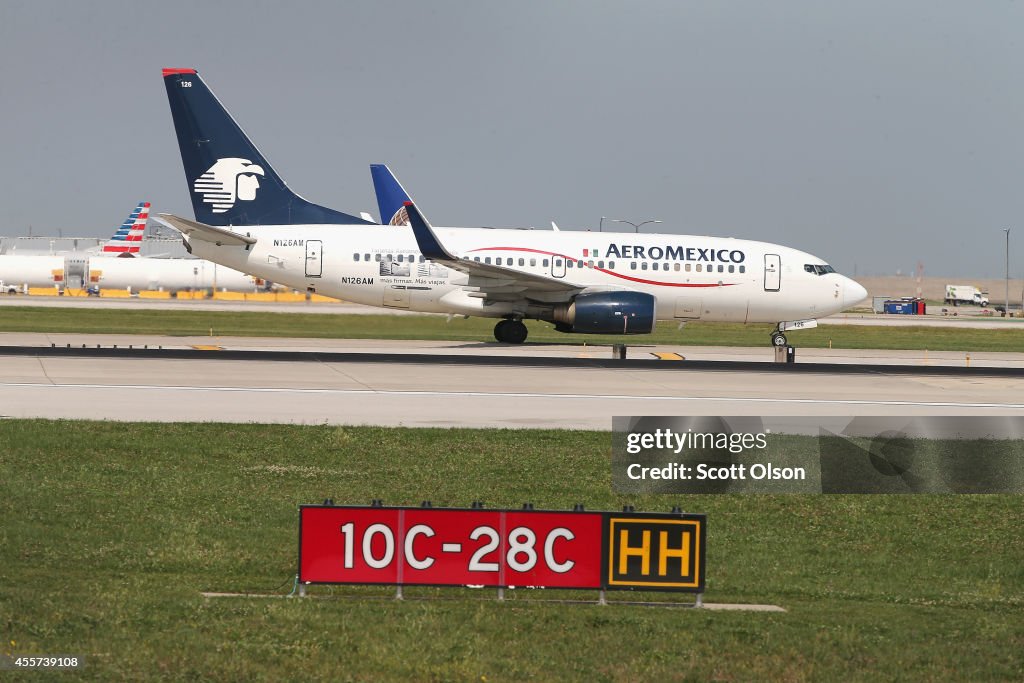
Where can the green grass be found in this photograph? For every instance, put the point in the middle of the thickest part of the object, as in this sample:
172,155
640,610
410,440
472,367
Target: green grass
233,324
110,532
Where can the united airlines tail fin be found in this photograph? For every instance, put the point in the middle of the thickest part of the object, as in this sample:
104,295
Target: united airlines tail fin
127,240
229,181
391,196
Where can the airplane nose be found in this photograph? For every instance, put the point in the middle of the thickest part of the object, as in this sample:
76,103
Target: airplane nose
853,293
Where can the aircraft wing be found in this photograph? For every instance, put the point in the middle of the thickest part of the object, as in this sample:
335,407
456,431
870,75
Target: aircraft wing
207,233
496,283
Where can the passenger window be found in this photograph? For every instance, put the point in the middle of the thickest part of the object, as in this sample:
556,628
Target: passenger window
522,262
423,259
355,257
590,264
721,268
390,257
579,264
677,268
698,267
743,269
600,264
611,265
570,264
632,266
732,269
487,260
546,263
401,258
558,263
376,257
366,257
643,265
533,262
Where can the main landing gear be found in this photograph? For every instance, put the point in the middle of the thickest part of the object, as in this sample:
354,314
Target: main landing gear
510,331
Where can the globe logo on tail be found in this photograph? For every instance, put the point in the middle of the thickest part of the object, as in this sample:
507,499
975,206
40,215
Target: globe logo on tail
229,180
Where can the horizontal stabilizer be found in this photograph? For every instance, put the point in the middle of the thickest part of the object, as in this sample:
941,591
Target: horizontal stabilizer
207,233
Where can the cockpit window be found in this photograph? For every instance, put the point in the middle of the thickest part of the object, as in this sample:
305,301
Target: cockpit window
818,269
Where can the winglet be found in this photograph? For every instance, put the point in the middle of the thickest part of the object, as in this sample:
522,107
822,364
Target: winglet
426,240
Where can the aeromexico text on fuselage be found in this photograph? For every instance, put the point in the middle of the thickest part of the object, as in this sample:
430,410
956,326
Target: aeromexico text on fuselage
638,251
675,253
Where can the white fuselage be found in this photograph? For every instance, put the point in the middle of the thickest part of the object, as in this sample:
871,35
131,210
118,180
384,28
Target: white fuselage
168,275
705,278
79,269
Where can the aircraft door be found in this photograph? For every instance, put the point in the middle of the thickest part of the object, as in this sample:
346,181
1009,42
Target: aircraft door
772,272
74,272
557,266
396,296
688,307
314,258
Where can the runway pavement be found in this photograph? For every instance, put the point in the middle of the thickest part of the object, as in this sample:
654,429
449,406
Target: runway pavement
474,385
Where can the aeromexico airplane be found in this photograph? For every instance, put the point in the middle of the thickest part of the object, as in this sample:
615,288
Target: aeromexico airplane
247,218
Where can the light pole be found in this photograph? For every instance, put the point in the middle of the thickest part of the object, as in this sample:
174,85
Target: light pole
1006,311
636,226
600,227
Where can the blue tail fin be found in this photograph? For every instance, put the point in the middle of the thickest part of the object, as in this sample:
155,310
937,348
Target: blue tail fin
229,181
391,196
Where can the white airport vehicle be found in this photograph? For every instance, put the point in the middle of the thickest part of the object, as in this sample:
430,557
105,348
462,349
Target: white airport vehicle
965,294
602,283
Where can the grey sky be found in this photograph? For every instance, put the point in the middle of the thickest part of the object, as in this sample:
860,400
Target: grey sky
873,134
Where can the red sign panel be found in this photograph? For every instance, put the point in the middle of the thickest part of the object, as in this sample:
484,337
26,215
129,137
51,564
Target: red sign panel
450,547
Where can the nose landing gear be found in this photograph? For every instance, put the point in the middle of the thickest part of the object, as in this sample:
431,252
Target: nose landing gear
510,331
778,334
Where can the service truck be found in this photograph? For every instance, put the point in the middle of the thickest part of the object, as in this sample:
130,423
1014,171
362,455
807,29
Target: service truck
965,294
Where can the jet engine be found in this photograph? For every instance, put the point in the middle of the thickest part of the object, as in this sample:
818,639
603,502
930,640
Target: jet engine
607,313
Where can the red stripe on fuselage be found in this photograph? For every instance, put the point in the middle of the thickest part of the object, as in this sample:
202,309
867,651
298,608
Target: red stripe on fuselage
606,271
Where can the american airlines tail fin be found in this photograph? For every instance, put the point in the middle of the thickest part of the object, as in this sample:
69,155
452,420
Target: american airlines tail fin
127,240
391,196
229,181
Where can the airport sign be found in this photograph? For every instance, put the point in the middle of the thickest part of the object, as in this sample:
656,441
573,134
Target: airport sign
478,547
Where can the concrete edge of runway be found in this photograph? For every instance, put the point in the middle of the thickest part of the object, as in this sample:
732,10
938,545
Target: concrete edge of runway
503,361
